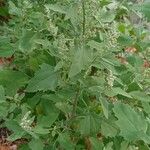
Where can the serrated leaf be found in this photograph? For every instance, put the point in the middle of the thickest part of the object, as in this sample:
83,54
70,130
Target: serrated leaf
36,144
18,132
38,59
89,125
26,42
12,81
65,141
125,40
49,113
135,61
141,96
45,79
72,14
40,130
6,50
81,59
131,124
47,121
109,128
64,107
107,17
118,90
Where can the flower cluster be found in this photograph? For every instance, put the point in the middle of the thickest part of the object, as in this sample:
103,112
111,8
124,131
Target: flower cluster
110,79
26,122
113,34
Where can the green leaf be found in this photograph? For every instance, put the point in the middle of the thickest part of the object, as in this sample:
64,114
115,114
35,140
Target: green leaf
109,146
4,11
124,145
65,141
64,107
14,126
24,147
131,124
12,81
135,61
96,144
72,14
107,17
134,86
146,107
39,130
4,110
108,128
145,9
95,45
36,60
105,2
47,121
26,42
56,8
89,125
49,113
2,94
125,40
141,96
143,146
81,60
13,9
57,59
36,144
104,104
6,49
44,42
118,90
45,79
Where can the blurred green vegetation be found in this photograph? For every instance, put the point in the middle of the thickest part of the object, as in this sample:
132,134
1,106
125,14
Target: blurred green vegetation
4,15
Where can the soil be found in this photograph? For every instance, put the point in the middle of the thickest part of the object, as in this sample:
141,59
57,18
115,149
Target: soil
8,145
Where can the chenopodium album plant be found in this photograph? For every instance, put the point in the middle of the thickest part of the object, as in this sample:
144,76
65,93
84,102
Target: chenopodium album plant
78,76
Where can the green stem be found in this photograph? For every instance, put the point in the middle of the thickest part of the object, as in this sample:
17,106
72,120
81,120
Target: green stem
84,19
75,104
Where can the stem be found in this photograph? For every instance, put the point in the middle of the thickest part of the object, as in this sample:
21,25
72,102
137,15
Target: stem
83,25
75,104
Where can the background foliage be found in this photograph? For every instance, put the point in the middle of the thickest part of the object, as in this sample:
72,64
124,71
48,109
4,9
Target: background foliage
75,74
